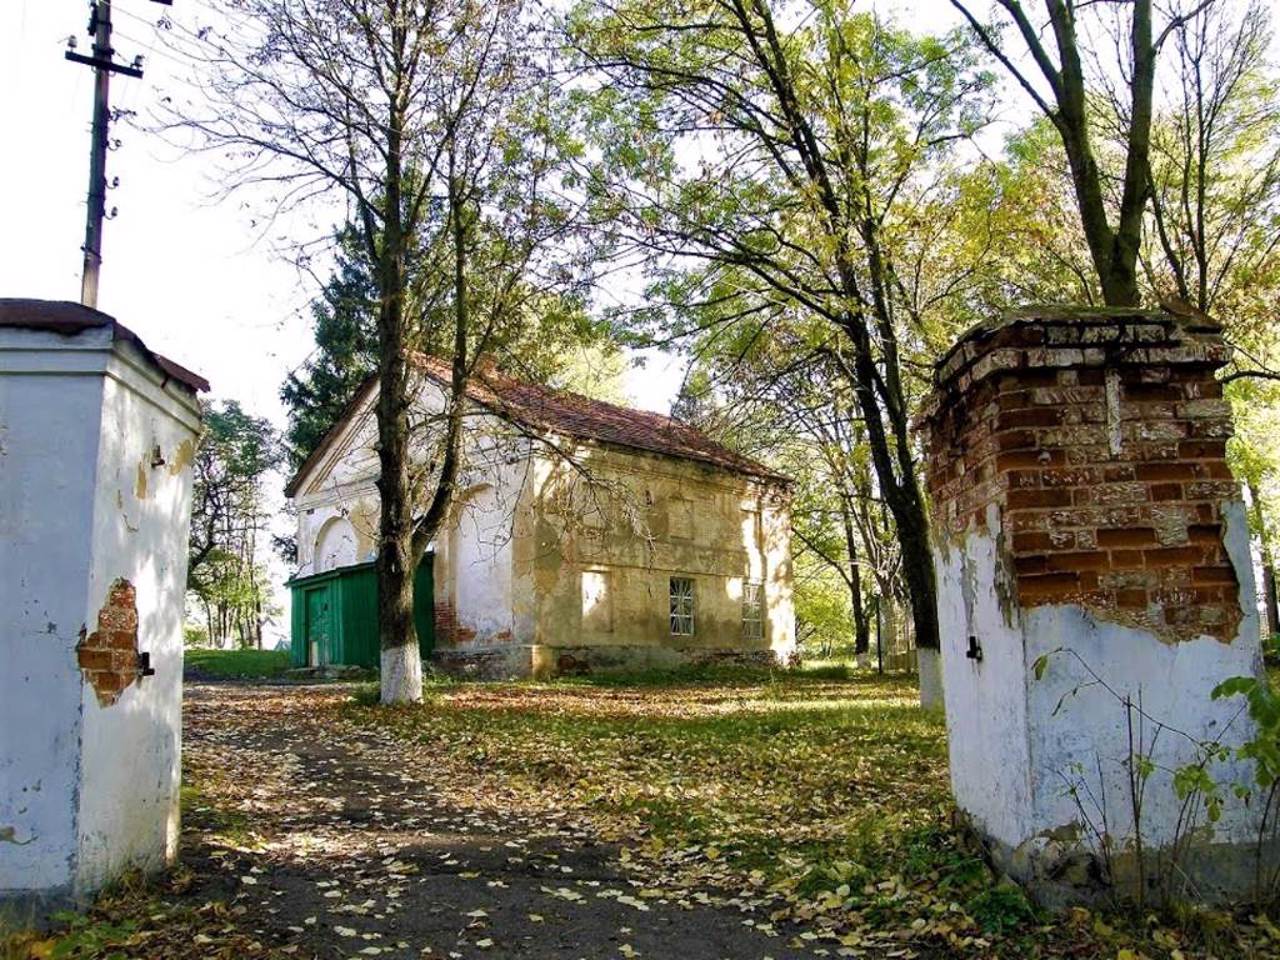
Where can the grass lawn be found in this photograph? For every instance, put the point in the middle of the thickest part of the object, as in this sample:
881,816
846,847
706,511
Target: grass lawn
235,664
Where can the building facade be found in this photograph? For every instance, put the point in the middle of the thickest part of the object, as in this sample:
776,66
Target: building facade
585,536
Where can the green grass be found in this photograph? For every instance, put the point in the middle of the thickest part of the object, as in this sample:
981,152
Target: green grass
236,664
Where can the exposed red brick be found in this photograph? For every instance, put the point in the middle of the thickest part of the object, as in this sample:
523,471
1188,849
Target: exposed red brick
1077,560
1127,559
1131,598
1139,392
1039,498
1216,490
1133,532
108,657
1127,537
1048,586
1027,542
1036,417
1208,533
1014,459
1016,440
1171,556
1209,429
1205,575
1014,400
1090,376
1202,449
1165,471
1032,564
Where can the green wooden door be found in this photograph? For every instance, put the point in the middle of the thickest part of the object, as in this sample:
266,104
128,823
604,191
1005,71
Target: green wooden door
319,631
424,606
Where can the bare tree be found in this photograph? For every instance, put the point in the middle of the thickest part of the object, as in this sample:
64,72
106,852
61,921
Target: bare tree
398,108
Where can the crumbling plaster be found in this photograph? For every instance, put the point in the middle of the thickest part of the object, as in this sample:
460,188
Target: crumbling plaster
538,514
90,786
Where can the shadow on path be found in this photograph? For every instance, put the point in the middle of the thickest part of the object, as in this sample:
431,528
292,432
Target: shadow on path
341,849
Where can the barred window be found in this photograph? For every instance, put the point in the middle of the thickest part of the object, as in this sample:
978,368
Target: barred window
753,611
681,607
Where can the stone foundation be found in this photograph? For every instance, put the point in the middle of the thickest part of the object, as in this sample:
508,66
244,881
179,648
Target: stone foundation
544,661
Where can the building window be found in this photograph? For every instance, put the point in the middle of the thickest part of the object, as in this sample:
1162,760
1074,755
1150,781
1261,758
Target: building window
752,611
681,607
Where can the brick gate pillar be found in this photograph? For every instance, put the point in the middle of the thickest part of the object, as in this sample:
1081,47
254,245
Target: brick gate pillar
1091,545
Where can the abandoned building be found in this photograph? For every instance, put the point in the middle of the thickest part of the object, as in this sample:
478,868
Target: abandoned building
584,536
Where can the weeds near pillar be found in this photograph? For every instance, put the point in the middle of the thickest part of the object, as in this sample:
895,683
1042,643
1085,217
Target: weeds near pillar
1263,703
1200,797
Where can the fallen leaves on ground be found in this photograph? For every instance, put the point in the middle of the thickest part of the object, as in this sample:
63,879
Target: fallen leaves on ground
791,816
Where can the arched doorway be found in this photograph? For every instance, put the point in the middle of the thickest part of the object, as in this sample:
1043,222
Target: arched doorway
481,567
335,546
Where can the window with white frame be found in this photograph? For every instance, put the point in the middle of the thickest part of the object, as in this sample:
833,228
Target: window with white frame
752,611
681,607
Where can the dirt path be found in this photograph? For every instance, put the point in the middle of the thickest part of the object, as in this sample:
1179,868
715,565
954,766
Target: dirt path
337,847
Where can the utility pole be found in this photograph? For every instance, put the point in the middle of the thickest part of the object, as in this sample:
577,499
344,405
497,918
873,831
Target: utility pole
103,63
100,26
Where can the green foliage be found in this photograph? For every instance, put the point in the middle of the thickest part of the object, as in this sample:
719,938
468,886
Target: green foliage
1263,700
344,324
236,664
194,635
227,577
87,937
1001,909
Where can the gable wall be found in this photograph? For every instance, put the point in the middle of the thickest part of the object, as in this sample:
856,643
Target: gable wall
609,534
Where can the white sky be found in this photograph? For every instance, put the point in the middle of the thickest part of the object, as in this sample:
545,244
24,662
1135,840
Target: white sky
189,276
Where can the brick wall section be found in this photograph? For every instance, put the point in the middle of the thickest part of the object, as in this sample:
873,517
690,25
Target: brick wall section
446,622
1101,441
109,656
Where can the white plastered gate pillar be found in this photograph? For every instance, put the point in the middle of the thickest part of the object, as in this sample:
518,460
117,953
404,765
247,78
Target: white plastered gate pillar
97,440
1091,547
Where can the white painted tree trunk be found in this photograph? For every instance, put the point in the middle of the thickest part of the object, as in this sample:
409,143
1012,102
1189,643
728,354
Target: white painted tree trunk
862,661
402,674
929,663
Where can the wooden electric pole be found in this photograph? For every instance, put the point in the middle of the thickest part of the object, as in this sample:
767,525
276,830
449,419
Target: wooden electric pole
100,23
103,63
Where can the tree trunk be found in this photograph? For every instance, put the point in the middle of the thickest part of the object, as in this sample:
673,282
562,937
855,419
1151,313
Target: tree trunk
1272,625
1269,597
861,630
877,389
898,488
401,661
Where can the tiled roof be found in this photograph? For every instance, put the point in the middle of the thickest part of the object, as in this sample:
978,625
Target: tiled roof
69,319
574,415
568,414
